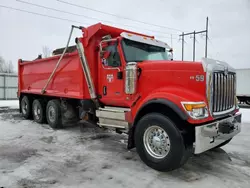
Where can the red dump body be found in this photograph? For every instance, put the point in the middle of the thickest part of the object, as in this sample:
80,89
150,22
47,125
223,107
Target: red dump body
69,80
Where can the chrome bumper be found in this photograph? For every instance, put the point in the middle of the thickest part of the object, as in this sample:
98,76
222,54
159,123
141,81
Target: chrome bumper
211,135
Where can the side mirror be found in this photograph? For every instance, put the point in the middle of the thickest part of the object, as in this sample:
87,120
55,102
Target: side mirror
105,43
171,54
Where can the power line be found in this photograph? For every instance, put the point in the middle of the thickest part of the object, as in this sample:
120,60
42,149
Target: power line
88,17
54,17
80,6
194,40
35,13
161,36
49,8
210,41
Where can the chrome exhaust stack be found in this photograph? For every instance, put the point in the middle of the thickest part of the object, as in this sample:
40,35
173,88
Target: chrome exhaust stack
86,69
131,75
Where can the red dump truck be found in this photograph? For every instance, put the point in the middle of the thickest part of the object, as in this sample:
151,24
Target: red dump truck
128,82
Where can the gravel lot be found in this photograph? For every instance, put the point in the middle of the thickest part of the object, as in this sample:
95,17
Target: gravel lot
35,156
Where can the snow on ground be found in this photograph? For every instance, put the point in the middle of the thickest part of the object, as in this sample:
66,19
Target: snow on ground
34,155
245,114
9,104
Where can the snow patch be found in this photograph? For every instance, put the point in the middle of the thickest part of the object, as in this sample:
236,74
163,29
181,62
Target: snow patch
33,155
245,114
14,104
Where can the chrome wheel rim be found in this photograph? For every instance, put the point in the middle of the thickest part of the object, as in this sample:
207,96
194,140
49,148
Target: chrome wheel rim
24,107
37,111
52,114
156,142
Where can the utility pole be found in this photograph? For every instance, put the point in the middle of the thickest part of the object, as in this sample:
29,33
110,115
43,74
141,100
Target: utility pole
182,44
194,40
206,37
194,47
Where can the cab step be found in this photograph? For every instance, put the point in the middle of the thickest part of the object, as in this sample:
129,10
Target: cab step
112,117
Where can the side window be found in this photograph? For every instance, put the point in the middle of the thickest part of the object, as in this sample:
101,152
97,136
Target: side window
112,58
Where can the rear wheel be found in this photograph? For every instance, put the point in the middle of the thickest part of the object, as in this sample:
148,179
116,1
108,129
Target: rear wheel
26,107
159,142
38,111
53,114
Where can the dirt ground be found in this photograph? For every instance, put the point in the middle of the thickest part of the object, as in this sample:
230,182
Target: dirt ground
35,156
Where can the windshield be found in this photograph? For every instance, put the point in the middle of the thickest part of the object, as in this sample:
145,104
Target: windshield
136,51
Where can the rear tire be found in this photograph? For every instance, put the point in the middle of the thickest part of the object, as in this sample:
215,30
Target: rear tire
38,111
53,114
165,149
26,107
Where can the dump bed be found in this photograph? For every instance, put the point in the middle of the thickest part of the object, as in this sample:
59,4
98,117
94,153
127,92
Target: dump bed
68,81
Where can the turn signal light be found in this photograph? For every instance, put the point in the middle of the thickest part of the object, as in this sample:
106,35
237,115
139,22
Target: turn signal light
190,107
196,110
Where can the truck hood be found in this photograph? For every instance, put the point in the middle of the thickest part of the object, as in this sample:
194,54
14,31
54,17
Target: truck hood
184,76
171,65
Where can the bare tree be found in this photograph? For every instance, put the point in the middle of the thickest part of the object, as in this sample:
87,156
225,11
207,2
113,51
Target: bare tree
46,51
2,64
10,67
6,67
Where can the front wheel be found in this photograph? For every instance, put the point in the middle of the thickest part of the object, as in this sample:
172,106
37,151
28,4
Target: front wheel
159,142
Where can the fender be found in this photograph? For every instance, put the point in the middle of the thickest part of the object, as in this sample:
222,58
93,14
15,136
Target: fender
171,97
167,103
183,115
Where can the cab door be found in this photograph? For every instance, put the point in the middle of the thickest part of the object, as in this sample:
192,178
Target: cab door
111,77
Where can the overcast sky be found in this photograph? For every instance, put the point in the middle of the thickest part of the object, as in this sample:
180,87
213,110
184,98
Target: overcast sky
23,35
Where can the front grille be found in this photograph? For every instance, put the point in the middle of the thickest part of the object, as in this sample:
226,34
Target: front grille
223,91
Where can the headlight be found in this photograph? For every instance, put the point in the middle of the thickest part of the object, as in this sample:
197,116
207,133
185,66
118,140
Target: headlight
196,110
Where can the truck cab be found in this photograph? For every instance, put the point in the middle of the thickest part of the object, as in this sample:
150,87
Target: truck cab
115,55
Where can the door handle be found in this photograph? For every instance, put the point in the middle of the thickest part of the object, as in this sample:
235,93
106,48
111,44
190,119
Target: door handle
104,90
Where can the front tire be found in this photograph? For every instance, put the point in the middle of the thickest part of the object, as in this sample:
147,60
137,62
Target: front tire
38,111
159,142
53,114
